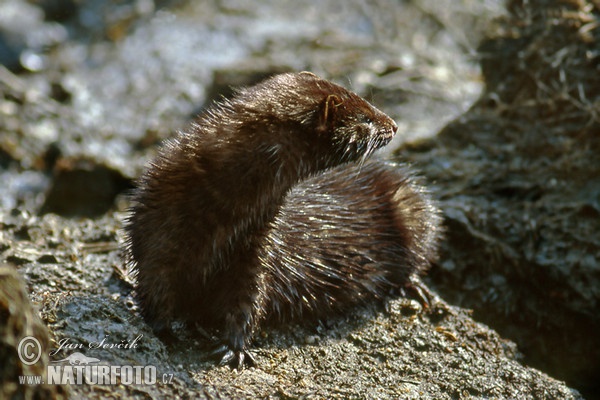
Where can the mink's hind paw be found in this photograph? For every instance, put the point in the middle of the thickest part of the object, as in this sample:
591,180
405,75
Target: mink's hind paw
236,359
416,289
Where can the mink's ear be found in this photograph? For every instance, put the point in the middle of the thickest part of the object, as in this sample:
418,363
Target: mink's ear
308,73
328,110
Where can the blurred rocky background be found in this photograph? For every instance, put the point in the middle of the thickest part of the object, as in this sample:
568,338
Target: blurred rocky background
498,107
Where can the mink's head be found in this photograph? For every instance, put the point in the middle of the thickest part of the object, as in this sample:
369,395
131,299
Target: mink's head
330,117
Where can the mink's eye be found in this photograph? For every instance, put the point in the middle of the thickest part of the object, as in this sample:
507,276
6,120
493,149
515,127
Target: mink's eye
365,119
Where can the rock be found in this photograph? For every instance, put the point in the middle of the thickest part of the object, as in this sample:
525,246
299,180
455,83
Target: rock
24,342
402,351
82,187
518,178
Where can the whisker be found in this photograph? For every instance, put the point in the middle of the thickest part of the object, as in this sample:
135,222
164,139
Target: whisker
371,145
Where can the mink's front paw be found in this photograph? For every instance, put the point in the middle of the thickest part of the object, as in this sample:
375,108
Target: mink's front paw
237,359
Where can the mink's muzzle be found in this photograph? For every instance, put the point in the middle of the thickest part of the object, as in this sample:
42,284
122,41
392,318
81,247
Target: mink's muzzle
388,134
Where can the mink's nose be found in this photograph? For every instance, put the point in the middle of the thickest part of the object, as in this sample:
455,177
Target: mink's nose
394,127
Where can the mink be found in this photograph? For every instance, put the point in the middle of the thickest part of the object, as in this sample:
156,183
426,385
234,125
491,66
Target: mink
267,209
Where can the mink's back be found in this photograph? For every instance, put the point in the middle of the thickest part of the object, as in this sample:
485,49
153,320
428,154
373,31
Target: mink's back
345,237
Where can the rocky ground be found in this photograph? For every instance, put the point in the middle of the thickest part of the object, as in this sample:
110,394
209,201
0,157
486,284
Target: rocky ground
497,108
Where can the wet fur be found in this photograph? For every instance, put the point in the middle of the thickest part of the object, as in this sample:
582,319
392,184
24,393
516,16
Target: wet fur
253,214
357,232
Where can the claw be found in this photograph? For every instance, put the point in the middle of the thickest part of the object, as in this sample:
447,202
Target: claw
228,358
420,292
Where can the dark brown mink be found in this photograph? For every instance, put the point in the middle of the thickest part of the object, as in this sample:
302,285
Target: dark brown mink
266,209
